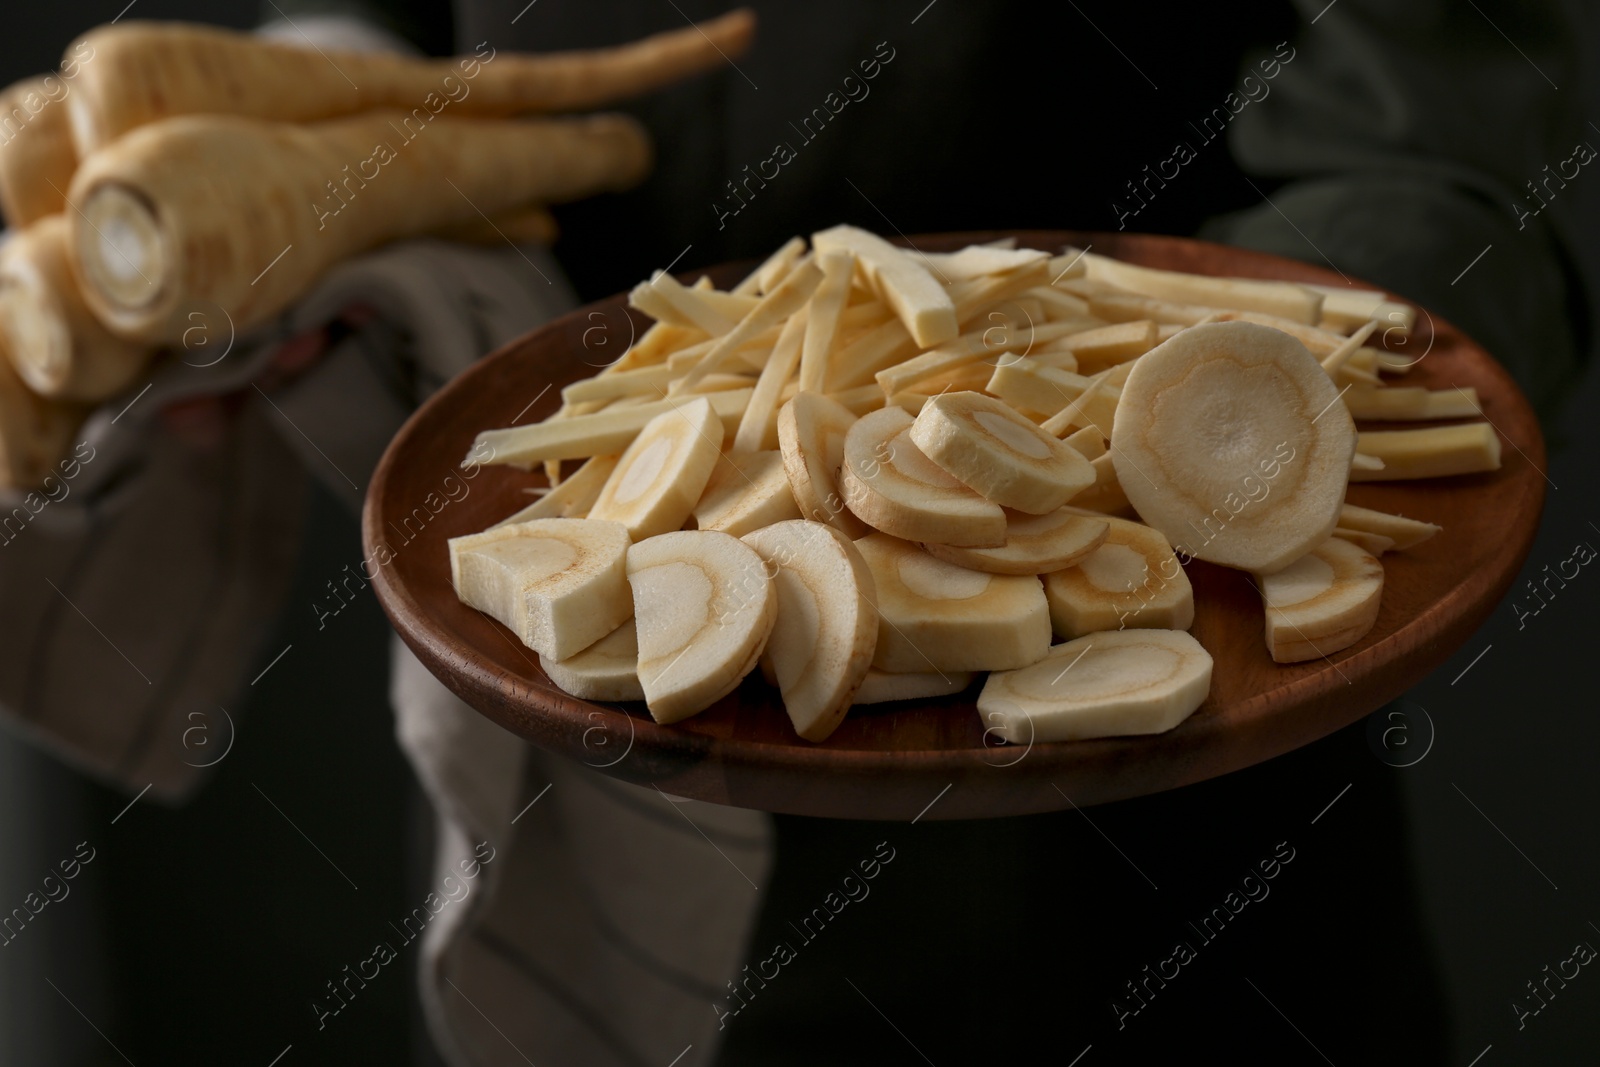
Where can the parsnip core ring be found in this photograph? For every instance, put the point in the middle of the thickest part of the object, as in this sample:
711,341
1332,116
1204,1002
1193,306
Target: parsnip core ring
123,249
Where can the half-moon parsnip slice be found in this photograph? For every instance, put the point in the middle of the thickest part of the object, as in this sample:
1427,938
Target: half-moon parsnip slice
1035,544
705,607
938,617
881,687
662,475
747,490
826,630
999,454
1133,580
1101,685
559,584
1324,601
890,485
606,670
1231,441
811,433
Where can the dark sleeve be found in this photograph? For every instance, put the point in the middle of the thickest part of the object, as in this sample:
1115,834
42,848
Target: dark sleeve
428,24
1419,147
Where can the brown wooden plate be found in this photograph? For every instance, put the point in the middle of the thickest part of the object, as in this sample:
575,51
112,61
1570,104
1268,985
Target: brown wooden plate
892,761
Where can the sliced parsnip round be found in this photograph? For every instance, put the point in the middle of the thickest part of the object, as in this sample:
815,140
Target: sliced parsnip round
811,433
747,490
1035,544
559,584
705,607
1229,439
1132,580
822,643
987,446
891,486
882,687
606,670
662,475
1324,601
1101,685
937,617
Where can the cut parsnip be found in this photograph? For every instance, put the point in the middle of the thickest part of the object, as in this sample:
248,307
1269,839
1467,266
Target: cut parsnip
606,670
559,584
882,687
890,485
975,261
1325,601
1291,301
662,475
936,616
1117,305
1377,544
1089,442
766,277
789,297
1107,346
1369,464
1101,685
811,435
602,433
758,429
1407,403
822,324
922,304
705,608
1106,494
996,452
747,490
1031,385
1405,533
1133,580
1434,452
571,499
1035,544
1231,441
826,631
1096,406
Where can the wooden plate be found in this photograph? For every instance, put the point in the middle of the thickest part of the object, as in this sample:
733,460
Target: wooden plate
892,761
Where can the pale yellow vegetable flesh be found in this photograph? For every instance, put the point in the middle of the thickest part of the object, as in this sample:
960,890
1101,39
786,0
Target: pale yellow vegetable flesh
826,631
999,454
558,584
705,606
606,670
1322,603
891,486
1102,685
660,478
938,617
1132,580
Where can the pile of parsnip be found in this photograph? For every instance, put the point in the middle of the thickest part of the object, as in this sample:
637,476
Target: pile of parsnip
877,471
176,177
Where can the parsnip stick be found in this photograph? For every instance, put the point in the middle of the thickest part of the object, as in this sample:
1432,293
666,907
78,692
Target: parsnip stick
1117,306
1096,406
667,300
654,346
1397,404
1294,302
860,400
1340,356
1343,308
143,72
822,323
1060,305
1029,385
758,429
1435,452
646,380
773,270
603,433
56,344
158,222
975,261
1405,533
573,498
901,282
36,154
1108,346
790,296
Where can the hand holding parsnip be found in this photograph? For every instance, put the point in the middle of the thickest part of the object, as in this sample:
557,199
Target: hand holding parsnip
981,493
